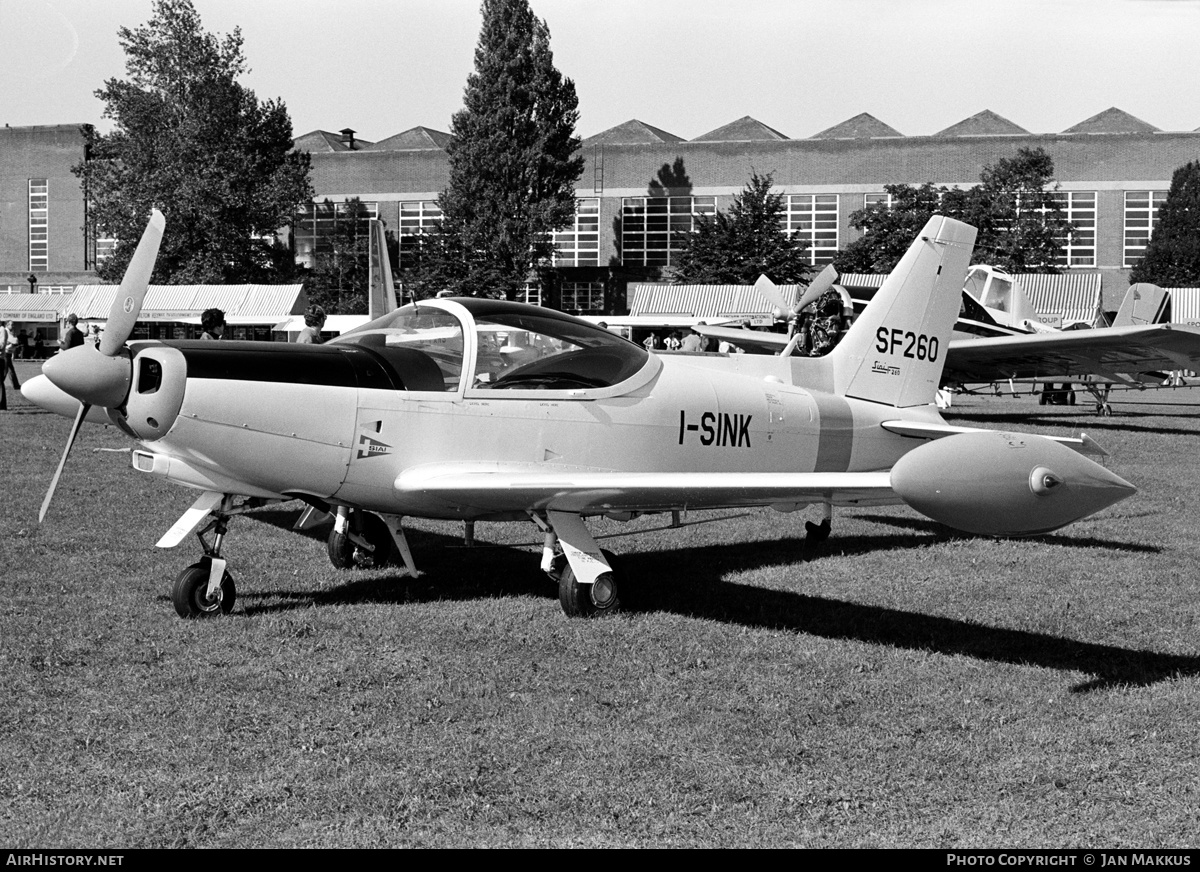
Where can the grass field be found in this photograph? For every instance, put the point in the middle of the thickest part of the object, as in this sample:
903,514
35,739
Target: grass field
904,686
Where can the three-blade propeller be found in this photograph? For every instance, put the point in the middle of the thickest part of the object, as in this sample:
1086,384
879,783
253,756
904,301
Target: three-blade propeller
101,375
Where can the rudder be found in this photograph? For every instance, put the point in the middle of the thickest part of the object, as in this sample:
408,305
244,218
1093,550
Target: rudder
895,350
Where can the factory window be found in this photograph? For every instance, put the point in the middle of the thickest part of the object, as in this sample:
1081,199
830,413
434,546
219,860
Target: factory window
653,228
417,218
316,227
1141,217
887,201
583,298
813,218
1078,207
580,245
39,225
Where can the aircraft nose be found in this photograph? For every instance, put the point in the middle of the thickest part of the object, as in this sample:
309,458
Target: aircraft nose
91,377
43,393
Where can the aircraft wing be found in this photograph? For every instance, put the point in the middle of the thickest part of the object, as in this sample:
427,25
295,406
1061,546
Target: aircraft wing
507,488
1112,353
771,343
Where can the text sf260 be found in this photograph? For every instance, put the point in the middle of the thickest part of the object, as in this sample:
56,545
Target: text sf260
916,346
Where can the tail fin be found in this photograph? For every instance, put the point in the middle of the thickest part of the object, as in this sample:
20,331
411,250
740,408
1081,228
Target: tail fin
895,350
1143,304
381,295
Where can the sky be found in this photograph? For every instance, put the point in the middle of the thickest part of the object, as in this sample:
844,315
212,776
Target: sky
685,66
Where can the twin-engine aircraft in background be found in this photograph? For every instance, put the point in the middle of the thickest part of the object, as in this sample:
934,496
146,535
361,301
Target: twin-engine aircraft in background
477,409
998,341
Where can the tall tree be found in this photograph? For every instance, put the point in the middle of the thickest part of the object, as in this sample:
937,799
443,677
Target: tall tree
190,140
514,162
1172,257
1020,222
739,245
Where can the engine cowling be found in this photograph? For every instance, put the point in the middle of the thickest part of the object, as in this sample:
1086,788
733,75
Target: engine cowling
1004,484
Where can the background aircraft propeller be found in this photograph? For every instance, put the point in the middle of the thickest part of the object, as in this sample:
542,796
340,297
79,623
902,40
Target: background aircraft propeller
101,375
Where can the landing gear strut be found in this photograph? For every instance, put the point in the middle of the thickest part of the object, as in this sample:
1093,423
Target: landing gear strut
585,575
205,588
359,539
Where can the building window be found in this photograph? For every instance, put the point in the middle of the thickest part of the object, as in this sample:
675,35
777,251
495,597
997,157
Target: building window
1078,207
583,298
887,201
580,245
315,226
1141,217
814,219
39,225
417,218
653,228
531,293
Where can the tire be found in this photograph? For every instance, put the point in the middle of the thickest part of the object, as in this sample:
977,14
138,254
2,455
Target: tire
578,600
189,594
344,554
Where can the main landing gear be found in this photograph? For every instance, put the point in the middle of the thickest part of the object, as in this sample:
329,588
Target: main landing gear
586,576
205,589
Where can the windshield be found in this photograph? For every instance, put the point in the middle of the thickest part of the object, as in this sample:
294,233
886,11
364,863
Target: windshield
529,351
423,345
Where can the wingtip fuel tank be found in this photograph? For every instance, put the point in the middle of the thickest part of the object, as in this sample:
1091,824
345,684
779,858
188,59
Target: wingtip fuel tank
1004,484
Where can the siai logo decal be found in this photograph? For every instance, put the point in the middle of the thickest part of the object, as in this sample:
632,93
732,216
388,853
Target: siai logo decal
368,447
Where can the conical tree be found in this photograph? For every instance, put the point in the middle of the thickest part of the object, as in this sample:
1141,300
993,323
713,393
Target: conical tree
1172,256
192,141
514,161
748,240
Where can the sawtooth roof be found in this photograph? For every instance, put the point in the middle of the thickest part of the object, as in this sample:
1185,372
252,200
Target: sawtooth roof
985,123
861,126
1112,120
745,129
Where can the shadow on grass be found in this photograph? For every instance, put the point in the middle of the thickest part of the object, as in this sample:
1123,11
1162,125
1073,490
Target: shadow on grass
1123,421
692,582
922,525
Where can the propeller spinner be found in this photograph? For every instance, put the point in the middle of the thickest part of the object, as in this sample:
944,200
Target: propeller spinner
100,376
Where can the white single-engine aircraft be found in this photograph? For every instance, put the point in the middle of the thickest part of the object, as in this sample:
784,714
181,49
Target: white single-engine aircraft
477,409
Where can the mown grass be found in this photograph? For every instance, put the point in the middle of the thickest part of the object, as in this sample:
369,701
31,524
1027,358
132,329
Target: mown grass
904,686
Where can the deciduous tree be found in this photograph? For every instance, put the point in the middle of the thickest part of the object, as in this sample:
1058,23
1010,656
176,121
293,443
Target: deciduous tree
1020,222
748,240
192,141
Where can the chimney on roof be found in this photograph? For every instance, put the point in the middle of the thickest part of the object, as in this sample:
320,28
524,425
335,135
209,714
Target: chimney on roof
347,137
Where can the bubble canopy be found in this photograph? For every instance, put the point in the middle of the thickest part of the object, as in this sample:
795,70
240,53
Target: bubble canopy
447,344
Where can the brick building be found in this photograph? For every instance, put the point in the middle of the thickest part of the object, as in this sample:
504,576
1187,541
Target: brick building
42,212
640,184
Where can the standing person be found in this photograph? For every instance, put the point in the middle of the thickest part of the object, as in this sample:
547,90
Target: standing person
314,320
73,336
8,349
3,368
212,321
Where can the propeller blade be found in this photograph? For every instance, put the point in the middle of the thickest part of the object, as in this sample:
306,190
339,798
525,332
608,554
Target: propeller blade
820,284
770,292
127,305
83,410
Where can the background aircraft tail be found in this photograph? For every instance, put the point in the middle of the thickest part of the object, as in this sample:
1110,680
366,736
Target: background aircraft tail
381,294
895,350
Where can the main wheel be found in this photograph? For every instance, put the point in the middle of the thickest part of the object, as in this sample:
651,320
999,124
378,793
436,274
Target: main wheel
589,600
344,554
190,593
